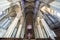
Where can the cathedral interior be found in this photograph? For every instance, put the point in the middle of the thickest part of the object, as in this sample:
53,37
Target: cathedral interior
30,19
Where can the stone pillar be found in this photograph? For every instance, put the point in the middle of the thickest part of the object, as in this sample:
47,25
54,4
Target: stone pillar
39,28
14,23
20,28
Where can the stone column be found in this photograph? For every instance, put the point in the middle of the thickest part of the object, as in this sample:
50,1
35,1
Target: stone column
14,23
39,28
20,28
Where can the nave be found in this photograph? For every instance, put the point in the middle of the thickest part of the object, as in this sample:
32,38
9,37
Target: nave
29,20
